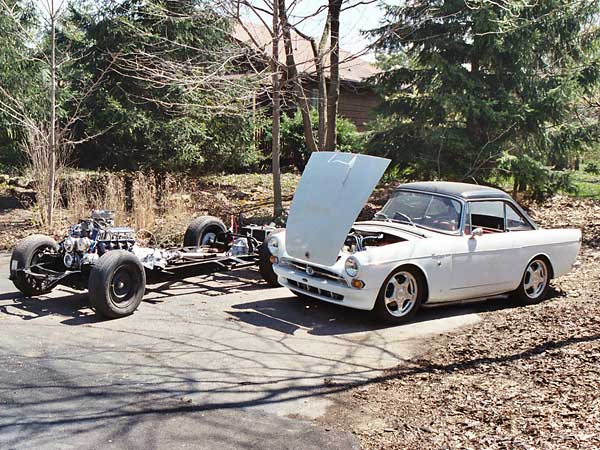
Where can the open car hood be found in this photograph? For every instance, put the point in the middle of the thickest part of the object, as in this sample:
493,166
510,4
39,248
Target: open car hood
331,193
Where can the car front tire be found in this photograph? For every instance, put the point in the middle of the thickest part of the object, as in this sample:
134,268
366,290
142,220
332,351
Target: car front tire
25,254
400,296
117,284
265,266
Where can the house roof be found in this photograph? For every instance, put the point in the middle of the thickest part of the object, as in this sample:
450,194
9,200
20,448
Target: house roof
352,68
465,191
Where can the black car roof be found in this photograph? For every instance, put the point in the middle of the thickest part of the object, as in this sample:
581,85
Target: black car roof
465,191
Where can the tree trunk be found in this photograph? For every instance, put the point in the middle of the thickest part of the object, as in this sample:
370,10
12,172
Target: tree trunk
333,93
293,77
318,57
277,203
319,64
52,162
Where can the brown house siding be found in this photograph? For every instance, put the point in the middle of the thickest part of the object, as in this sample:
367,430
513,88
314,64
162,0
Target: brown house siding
358,105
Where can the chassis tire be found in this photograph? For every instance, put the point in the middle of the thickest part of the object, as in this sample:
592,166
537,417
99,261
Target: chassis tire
24,256
400,296
535,282
265,267
117,284
202,230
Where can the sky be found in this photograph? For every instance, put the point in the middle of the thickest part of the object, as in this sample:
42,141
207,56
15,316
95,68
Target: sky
352,21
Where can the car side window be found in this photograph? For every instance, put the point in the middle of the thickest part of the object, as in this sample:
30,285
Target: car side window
515,221
488,215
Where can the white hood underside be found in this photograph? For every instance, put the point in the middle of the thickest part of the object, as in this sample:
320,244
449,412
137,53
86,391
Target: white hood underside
331,193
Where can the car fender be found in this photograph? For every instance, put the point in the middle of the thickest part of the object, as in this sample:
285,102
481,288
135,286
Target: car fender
380,262
559,246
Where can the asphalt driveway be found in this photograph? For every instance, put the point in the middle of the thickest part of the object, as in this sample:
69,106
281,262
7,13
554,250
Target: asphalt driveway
215,362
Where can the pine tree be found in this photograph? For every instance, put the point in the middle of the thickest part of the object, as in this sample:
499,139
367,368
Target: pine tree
477,89
22,89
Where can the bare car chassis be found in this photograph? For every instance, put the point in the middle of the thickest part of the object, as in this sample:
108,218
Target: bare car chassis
107,261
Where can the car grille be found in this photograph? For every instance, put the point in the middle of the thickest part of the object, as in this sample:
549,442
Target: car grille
315,290
318,272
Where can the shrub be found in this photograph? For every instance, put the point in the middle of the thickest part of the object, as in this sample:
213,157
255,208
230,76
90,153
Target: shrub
592,168
293,146
539,180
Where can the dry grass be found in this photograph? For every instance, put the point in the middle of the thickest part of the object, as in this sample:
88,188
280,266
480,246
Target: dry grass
159,207
115,198
38,152
176,208
143,213
83,194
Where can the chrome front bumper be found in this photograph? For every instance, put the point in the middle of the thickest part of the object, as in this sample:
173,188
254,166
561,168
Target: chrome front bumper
328,288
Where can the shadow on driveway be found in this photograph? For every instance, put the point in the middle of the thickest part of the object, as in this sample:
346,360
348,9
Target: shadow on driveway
290,313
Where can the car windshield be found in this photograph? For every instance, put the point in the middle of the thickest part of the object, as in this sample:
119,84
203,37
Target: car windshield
435,212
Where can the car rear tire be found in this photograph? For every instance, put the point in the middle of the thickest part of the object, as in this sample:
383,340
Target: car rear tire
117,284
25,254
203,231
400,296
535,282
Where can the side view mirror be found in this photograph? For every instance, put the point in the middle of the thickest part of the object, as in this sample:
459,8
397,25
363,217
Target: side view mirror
477,232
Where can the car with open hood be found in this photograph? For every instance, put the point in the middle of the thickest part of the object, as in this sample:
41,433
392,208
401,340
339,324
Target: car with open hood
431,243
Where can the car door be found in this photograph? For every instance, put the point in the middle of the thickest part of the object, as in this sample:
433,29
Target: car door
483,264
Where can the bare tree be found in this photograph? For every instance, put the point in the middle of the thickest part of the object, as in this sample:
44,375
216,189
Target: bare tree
52,12
202,72
294,79
212,73
48,144
319,55
277,202
333,93
325,59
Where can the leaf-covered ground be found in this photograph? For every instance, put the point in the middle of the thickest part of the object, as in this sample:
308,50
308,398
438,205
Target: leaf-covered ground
524,377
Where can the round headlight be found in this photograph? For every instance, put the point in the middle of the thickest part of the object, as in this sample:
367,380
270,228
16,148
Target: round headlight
69,244
352,266
273,246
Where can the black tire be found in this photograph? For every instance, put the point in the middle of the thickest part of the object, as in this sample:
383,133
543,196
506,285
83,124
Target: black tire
265,267
199,228
416,289
530,295
117,284
24,256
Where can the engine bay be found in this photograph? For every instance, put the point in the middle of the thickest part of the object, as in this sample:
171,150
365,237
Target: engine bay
361,240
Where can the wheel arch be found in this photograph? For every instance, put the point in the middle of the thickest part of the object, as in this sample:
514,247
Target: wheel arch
546,258
422,273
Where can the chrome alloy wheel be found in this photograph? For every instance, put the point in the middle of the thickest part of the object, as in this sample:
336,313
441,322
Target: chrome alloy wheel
401,294
536,279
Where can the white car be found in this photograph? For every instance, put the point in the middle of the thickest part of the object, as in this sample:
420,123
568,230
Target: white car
433,242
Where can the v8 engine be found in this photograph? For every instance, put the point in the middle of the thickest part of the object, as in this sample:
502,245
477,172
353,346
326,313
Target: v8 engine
91,238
